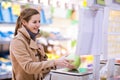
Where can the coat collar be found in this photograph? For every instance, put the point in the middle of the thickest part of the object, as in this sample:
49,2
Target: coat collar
33,43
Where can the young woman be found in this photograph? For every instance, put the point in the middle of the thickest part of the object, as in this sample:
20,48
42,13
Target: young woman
29,61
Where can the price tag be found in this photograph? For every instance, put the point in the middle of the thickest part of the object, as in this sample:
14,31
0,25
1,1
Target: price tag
100,2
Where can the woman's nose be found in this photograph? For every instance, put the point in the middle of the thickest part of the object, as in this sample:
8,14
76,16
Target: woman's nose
38,24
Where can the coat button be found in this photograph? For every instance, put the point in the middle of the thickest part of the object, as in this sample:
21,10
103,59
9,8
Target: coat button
41,78
55,67
51,67
47,68
44,56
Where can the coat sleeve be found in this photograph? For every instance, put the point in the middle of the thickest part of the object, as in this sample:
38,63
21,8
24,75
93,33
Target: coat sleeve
24,59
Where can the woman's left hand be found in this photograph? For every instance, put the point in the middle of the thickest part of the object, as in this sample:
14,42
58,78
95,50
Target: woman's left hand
41,48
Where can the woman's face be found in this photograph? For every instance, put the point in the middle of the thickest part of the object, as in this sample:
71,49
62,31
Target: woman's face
34,23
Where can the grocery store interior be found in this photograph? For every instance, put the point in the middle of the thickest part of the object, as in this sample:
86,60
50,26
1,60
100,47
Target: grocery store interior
89,29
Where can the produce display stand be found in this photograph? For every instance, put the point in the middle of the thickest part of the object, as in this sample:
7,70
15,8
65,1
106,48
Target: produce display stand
6,75
60,74
91,38
115,70
105,61
2,44
93,31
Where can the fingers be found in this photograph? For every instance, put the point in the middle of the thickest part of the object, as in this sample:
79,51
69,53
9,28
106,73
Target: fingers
68,64
69,61
63,62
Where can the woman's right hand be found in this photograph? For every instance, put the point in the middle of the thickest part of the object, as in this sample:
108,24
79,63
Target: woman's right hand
63,62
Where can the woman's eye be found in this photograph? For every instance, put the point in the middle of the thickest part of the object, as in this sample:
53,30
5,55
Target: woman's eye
34,22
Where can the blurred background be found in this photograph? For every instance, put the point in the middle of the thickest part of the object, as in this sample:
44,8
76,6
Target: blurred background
61,26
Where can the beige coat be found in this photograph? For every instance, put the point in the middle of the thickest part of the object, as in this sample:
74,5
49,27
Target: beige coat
28,61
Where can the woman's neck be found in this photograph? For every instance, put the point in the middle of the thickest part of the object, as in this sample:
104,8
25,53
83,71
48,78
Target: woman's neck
32,35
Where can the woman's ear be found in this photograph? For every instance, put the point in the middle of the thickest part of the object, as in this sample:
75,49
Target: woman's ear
24,22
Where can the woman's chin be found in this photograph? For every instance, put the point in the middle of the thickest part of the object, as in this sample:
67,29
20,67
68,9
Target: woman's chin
35,32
